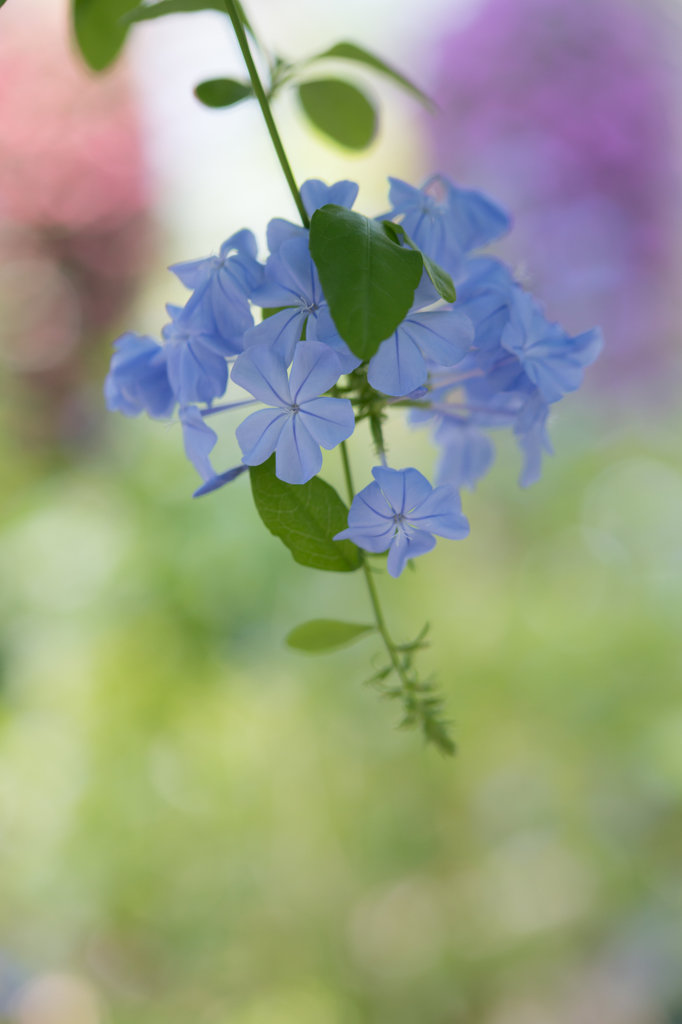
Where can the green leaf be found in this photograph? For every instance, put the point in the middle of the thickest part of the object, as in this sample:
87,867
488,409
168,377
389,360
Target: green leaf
340,111
320,635
349,51
440,279
99,31
367,279
146,12
222,92
305,517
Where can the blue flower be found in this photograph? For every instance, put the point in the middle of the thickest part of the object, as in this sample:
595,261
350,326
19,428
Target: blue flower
292,281
530,431
442,336
196,365
401,511
315,194
466,453
138,378
200,440
300,421
551,358
445,221
226,283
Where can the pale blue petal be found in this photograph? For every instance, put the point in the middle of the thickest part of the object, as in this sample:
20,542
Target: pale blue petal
315,369
280,230
398,366
374,542
280,332
194,273
298,456
444,336
220,480
404,489
258,435
196,373
294,256
329,420
405,547
263,373
316,194
441,513
467,455
243,241
138,378
325,330
199,441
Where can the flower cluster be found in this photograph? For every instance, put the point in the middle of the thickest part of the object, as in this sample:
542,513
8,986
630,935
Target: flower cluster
490,360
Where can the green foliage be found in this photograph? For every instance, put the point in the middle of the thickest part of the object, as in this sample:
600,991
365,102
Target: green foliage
146,12
440,279
222,92
99,29
321,635
421,702
305,517
339,110
368,280
349,51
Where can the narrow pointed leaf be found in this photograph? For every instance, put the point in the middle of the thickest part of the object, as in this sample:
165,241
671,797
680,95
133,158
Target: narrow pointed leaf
440,279
349,51
222,92
306,518
321,635
99,31
147,12
368,280
340,111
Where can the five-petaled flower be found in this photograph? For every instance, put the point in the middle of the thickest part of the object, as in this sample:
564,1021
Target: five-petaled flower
301,421
401,512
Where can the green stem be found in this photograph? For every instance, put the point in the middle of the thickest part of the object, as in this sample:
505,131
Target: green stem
371,586
262,98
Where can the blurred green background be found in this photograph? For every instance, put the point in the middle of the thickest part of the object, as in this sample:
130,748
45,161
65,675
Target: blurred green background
199,825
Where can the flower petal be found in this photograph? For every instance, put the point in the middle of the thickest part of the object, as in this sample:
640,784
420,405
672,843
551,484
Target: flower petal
326,331
441,513
374,542
398,366
280,332
329,420
443,336
406,546
314,370
298,456
199,441
258,435
315,194
220,480
404,489
262,372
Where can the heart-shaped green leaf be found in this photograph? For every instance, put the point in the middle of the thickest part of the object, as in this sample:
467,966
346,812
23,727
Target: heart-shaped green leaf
349,51
440,279
306,518
321,635
222,92
99,30
368,280
340,111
